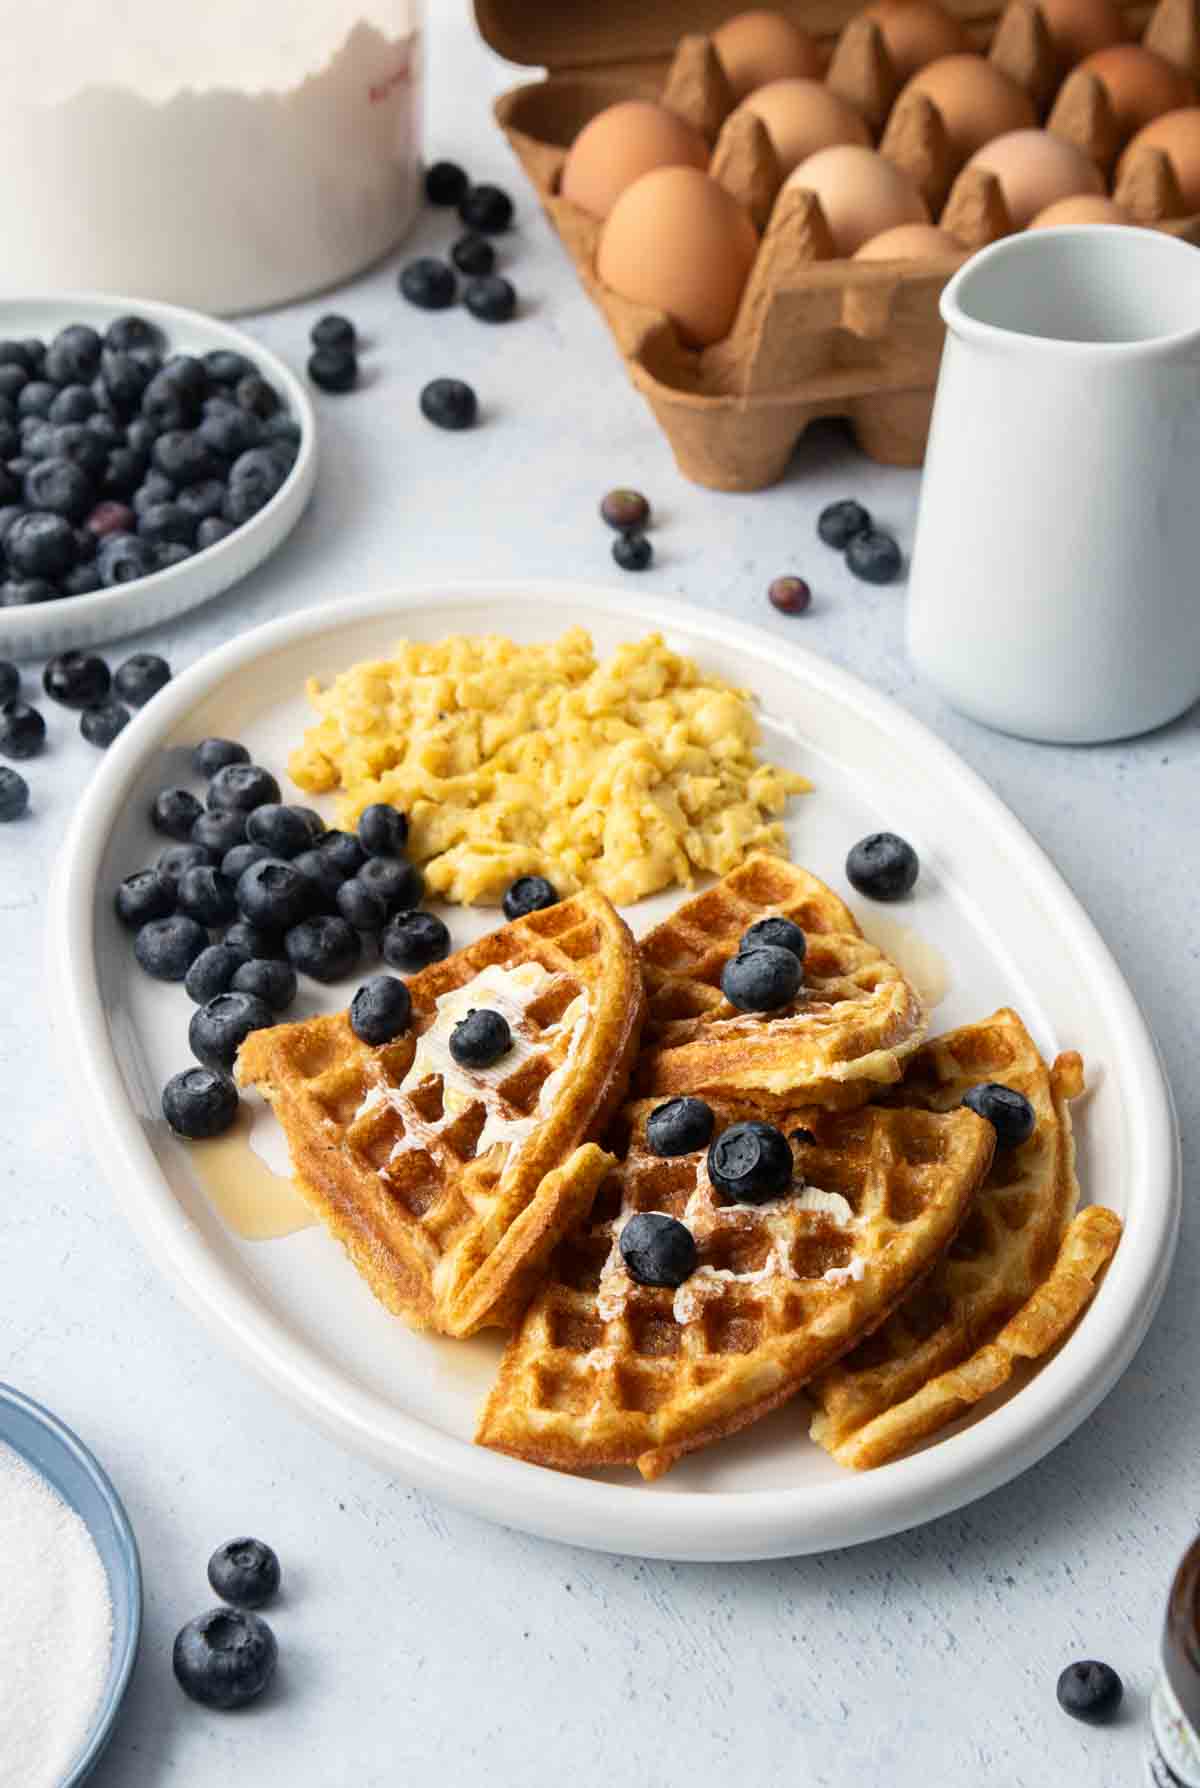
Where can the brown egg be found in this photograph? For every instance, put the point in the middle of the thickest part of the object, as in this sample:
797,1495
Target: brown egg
910,242
1087,208
678,242
621,144
1177,134
761,46
861,194
1140,84
916,32
1034,169
804,116
1079,27
975,100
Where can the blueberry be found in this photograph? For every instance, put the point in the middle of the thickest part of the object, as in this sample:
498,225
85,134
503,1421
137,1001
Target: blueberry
81,581
445,183
491,298
35,398
74,354
219,1028
839,523
230,431
132,332
382,830
398,885
124,378
186,373
10,679
212,530
271,981
220,831
344,849
199,1103
202,501
140,435
284,830
13,379
428,283
254,478
874,557
154,488
790,595
174,812
183,456
625,510
212,973
163,523
449,403
413,940
101,724
87,545
274,894
76,679
529,894
657,1249
326,948
761,979
360,906
141,677
177,859
480,1039
323,876
22,730
166,948
206,895
225,1658
750,1163
224,367
74,403
123,558
14,794
474,255
776,930
679,1127
244,1572
211,755
486,208
883,866
144,895
258,942
9,513
168,405
35,352
238,857
332,331
123,471
242,785
333,369
1090,1690
381,1010
258,396
21,592
41,545
110,518
632,552
1008,1112
282,430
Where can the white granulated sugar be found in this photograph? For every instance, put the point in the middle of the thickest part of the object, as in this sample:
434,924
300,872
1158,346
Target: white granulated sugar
55,1629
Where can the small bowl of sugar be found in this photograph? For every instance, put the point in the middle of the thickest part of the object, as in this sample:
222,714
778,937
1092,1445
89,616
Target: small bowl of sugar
72,1600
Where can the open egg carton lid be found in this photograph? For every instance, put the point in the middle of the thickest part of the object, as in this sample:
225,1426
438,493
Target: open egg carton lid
814,336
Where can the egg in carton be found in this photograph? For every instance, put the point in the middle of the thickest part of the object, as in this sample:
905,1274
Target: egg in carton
818,336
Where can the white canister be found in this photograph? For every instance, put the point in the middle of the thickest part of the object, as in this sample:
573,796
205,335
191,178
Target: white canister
1054,586
226,156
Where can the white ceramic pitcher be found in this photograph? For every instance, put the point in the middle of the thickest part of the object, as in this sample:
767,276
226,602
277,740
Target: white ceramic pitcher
1055,582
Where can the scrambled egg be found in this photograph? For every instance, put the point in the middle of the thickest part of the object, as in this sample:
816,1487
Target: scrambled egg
516,760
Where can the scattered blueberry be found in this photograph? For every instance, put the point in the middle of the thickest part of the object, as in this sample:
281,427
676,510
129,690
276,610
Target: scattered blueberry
778,931
344,849
140,677
679,1127
428,283
245,1572
361,906
529,894
211,755
632,552
449,403
874,557
284,830
41,545
1008,1112
167,948
273,894
220,831
199,1103
625,510
762,979
242,785
657,1249
883,866
1090,1690
268,979
473,255
486,208
381,1010
22,730
445,183
212,973
382,830
143,896
225,1658
259,942
491,298
238,857
174,812
326,948
333,369
101,724
76,679
219,1028
750,1163
174,863
14,794
480,1039
839,523
790,595
206,895
413,940
333,331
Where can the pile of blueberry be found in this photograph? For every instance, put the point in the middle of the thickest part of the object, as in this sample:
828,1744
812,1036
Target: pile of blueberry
118,459
78,680
628,512
871,554
226,1658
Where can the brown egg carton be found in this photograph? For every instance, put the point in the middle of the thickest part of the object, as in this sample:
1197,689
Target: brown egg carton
814,336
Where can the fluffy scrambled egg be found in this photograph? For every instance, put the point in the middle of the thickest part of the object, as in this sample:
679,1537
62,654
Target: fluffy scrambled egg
512,760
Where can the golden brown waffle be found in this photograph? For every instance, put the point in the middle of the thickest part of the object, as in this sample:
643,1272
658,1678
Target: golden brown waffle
1016,1277
604,1371
842,1039
448,1187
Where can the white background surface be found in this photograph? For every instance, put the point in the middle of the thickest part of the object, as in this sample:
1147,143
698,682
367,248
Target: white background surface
421,1645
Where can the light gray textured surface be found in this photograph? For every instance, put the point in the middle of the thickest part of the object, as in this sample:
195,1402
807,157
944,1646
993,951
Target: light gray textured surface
419,1645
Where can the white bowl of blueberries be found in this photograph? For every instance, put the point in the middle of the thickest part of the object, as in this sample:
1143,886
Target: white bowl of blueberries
149,458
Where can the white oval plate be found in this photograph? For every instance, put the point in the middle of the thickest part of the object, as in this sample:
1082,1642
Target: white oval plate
48,627
1008,927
